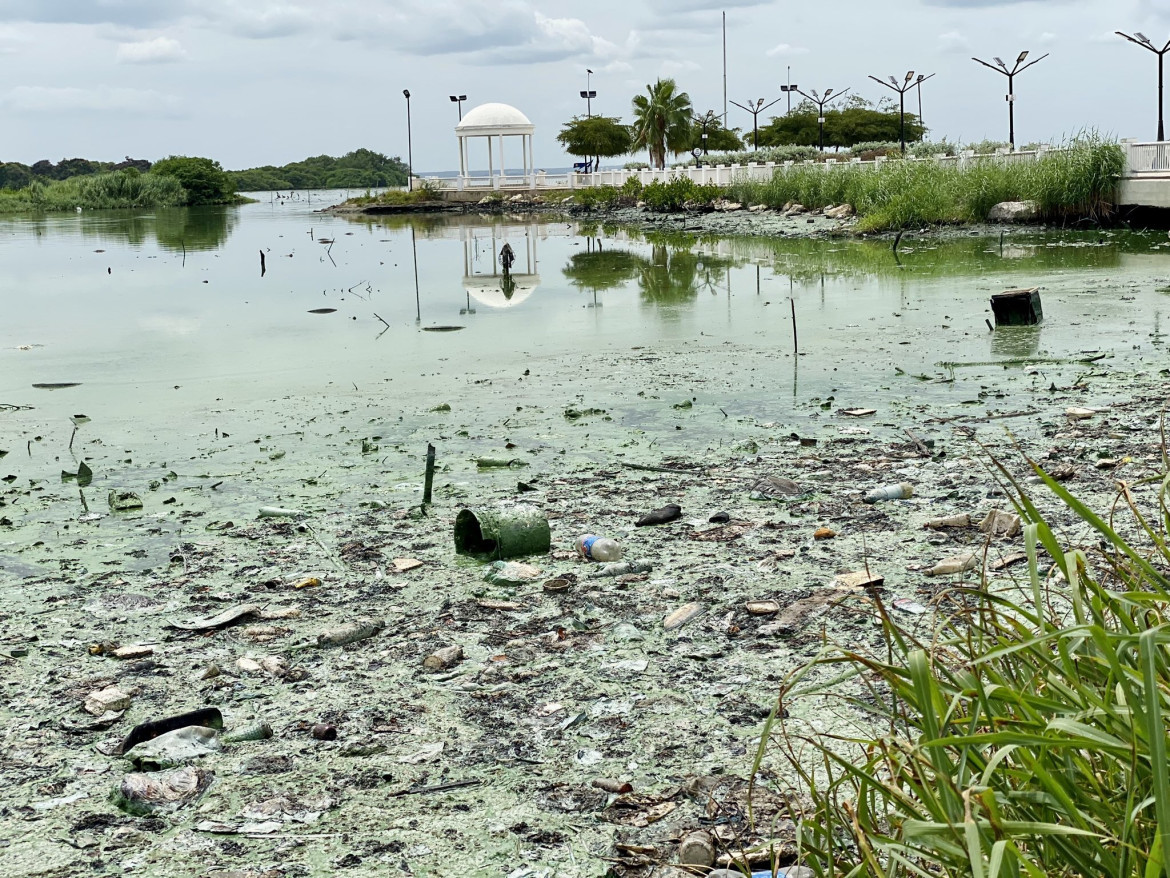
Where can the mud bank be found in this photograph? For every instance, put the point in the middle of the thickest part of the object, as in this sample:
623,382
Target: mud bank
514,760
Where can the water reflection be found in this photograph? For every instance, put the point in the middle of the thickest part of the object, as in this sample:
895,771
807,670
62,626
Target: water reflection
484,277
174,228
194,228
669,274
1016,342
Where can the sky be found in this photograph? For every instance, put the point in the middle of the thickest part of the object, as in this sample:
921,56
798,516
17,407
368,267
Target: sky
250,82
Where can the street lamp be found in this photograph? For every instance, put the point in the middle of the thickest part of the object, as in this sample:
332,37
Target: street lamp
459,99
409,151
1000,67
820,101
789,89
755,109
1144,41
901,88
589,94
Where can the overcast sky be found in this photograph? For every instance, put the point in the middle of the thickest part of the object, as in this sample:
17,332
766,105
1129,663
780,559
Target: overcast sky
250,82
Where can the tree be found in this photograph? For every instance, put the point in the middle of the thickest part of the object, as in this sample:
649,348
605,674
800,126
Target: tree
205,181
719,138
856,121
662,121
595,137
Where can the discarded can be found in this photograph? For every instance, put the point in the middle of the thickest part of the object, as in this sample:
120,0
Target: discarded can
324,732
697,849
900,491
496,534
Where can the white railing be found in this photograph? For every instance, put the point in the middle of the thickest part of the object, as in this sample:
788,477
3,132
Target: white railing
1142,157
1146,158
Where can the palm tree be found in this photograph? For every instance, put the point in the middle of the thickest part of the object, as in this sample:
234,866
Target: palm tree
662,121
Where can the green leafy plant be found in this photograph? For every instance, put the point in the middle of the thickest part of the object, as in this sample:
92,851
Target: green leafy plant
1027,736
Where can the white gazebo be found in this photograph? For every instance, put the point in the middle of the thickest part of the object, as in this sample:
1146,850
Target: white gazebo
497,121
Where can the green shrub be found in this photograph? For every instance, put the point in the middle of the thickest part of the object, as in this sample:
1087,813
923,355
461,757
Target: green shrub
203,179
678,192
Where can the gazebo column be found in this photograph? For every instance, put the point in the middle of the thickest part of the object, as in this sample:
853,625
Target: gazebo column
491,167
502,171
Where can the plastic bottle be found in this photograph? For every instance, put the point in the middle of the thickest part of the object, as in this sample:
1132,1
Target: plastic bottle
901,491
594,548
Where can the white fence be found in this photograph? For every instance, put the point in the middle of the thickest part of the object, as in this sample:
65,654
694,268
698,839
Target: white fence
721,175
1146,158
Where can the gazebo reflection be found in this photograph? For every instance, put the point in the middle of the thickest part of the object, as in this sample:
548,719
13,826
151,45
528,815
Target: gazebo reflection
483,277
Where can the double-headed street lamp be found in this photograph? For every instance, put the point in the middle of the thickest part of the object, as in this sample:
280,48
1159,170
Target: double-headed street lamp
901,88
755,109
820,101
459,99
1000,67
409,151
589,94
1142,40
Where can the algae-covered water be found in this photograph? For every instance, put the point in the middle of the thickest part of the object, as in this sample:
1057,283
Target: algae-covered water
210,390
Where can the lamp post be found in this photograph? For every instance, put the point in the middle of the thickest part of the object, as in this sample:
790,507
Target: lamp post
707,119
901,88
789,89
755,109
409,150
589,94
1000,67
1142,40
459,99
820,101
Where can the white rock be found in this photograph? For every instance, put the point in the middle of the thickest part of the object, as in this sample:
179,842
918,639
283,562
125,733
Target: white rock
109,699
841,211
1014,212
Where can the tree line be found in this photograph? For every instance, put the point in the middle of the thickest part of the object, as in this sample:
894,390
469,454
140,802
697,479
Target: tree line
665,121
206,182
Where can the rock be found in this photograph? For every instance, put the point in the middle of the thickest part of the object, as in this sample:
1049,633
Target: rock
143,794
756,208
955,564
512,573
824,533
841,211
1001,524
794,209
1014,212
132,652
109,699
442,659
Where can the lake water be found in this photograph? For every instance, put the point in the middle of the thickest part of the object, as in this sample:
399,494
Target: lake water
163,316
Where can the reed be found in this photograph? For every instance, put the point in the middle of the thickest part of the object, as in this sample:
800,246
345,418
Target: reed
1027,736
117,189
1075,182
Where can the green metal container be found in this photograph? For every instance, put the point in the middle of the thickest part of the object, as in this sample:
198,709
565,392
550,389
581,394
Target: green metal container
501,533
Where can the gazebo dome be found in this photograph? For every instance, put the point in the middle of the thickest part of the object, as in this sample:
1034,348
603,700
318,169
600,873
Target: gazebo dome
494,119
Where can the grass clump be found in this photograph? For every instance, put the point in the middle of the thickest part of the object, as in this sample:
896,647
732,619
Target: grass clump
423,193
1026,737
1076,182
118,189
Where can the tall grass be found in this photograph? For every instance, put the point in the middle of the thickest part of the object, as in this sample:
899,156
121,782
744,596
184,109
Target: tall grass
1075,182
118,189
1027,737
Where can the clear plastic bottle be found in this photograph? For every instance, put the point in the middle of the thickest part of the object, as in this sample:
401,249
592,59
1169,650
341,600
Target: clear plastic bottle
901,491
594,548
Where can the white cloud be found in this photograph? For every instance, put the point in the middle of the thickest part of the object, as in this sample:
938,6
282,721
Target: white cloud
784,50
953,41
43,99
160,50
12,40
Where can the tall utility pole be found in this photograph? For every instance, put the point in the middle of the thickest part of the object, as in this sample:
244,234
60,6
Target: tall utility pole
820,101
755,109
459,99
789,89
901,88
1142,40
1000,67
724,69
